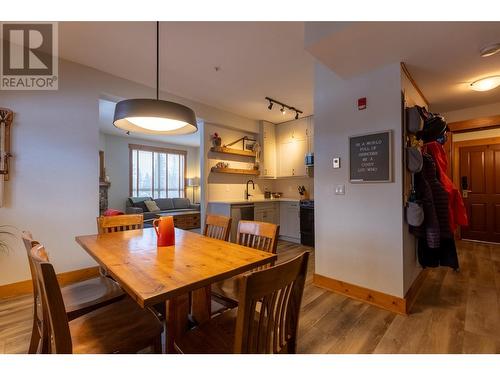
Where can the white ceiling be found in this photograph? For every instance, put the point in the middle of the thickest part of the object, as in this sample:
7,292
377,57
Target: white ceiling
442,57
107,111
256,59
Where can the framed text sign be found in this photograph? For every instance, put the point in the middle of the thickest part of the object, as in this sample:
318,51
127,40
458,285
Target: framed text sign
370,157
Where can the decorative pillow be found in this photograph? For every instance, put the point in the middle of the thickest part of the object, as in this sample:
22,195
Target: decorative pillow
152,206
112,212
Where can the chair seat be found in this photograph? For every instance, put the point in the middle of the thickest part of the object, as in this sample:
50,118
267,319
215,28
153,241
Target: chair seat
84,296
122,327
224,295
216,336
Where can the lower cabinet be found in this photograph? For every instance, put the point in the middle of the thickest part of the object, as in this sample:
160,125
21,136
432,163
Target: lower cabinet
267,212
290,221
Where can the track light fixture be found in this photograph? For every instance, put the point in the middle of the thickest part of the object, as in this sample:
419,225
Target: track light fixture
284,107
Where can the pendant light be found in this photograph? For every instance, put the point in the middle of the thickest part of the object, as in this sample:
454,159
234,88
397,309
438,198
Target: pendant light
154,116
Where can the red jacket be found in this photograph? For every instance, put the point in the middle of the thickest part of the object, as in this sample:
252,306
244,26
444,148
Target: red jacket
456,208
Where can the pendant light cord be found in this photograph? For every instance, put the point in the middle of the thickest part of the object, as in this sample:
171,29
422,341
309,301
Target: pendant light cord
157,60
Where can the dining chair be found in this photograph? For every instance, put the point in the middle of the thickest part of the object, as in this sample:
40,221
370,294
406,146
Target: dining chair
120,327
266,320
119,223
79,298
255,234
218,227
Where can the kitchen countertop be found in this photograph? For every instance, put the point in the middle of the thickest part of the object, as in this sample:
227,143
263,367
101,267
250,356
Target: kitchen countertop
254,200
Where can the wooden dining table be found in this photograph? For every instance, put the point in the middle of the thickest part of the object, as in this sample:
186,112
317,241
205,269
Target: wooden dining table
152,274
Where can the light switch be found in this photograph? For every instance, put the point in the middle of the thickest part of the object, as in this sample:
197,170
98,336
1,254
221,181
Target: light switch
336,163
340,190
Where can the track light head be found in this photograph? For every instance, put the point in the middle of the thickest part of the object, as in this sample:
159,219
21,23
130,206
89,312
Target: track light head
283,110
296,115
270,106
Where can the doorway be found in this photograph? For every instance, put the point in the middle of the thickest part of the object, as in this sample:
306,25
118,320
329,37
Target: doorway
477,175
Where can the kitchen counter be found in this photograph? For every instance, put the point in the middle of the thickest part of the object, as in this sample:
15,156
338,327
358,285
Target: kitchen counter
254,200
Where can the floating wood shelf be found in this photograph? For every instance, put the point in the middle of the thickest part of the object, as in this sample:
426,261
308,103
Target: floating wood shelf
252,172
233,151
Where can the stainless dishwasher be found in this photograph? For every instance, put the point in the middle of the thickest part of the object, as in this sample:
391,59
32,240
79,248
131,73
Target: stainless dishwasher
240,212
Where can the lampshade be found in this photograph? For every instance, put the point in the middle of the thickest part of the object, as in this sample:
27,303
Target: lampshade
193,181
153,116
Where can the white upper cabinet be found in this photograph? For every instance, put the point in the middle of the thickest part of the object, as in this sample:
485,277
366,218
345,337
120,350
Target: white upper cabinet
310,133
268,154
284,147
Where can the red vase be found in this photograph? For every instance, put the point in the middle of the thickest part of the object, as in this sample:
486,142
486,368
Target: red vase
164,228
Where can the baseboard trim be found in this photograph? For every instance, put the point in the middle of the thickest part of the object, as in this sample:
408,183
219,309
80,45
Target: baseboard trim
383,300
65,278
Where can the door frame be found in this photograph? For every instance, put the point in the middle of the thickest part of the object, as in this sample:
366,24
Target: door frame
456,158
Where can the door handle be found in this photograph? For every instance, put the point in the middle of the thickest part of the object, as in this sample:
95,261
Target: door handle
465,193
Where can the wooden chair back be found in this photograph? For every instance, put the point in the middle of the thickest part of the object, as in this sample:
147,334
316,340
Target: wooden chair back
119,223
269,305
37,330
54,318
258,235
218,227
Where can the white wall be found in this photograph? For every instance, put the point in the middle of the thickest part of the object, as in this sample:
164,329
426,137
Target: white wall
472,112
226,186
117,165
359,234
53,190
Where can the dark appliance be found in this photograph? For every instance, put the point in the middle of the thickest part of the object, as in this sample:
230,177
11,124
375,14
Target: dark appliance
307,222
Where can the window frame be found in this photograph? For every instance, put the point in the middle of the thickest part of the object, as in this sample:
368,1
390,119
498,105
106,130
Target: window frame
132,147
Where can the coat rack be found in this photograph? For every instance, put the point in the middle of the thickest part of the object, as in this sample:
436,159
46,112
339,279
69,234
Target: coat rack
6,116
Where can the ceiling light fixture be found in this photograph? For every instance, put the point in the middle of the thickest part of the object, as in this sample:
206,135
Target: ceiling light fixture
485,84
154,116
490,50
283,108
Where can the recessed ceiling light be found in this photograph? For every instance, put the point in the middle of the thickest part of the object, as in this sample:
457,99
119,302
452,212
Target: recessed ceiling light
490,50
485,84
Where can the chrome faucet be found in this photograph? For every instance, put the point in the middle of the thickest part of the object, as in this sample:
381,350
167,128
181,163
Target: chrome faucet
247,194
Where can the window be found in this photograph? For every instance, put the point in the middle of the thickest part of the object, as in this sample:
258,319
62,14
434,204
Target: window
157,172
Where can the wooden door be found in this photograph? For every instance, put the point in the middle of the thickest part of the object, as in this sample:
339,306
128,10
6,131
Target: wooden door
480,186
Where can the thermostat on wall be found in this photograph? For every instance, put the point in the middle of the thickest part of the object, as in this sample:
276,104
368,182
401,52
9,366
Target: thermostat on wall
336,163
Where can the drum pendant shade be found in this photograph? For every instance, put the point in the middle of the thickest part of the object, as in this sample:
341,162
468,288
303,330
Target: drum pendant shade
154,116
151,116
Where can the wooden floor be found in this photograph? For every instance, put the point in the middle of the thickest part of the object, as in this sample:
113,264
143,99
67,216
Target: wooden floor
454,313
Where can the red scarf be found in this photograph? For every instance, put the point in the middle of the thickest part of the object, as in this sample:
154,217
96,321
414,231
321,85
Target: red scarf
456,208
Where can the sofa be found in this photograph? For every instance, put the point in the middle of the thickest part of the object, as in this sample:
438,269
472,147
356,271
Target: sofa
136,205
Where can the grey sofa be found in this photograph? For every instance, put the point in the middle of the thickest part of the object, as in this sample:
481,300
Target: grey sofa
136,205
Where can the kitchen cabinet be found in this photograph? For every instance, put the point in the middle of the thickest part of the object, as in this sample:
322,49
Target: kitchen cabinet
284,147
291,158
267,212
310,133
268,150
294,140
289,213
